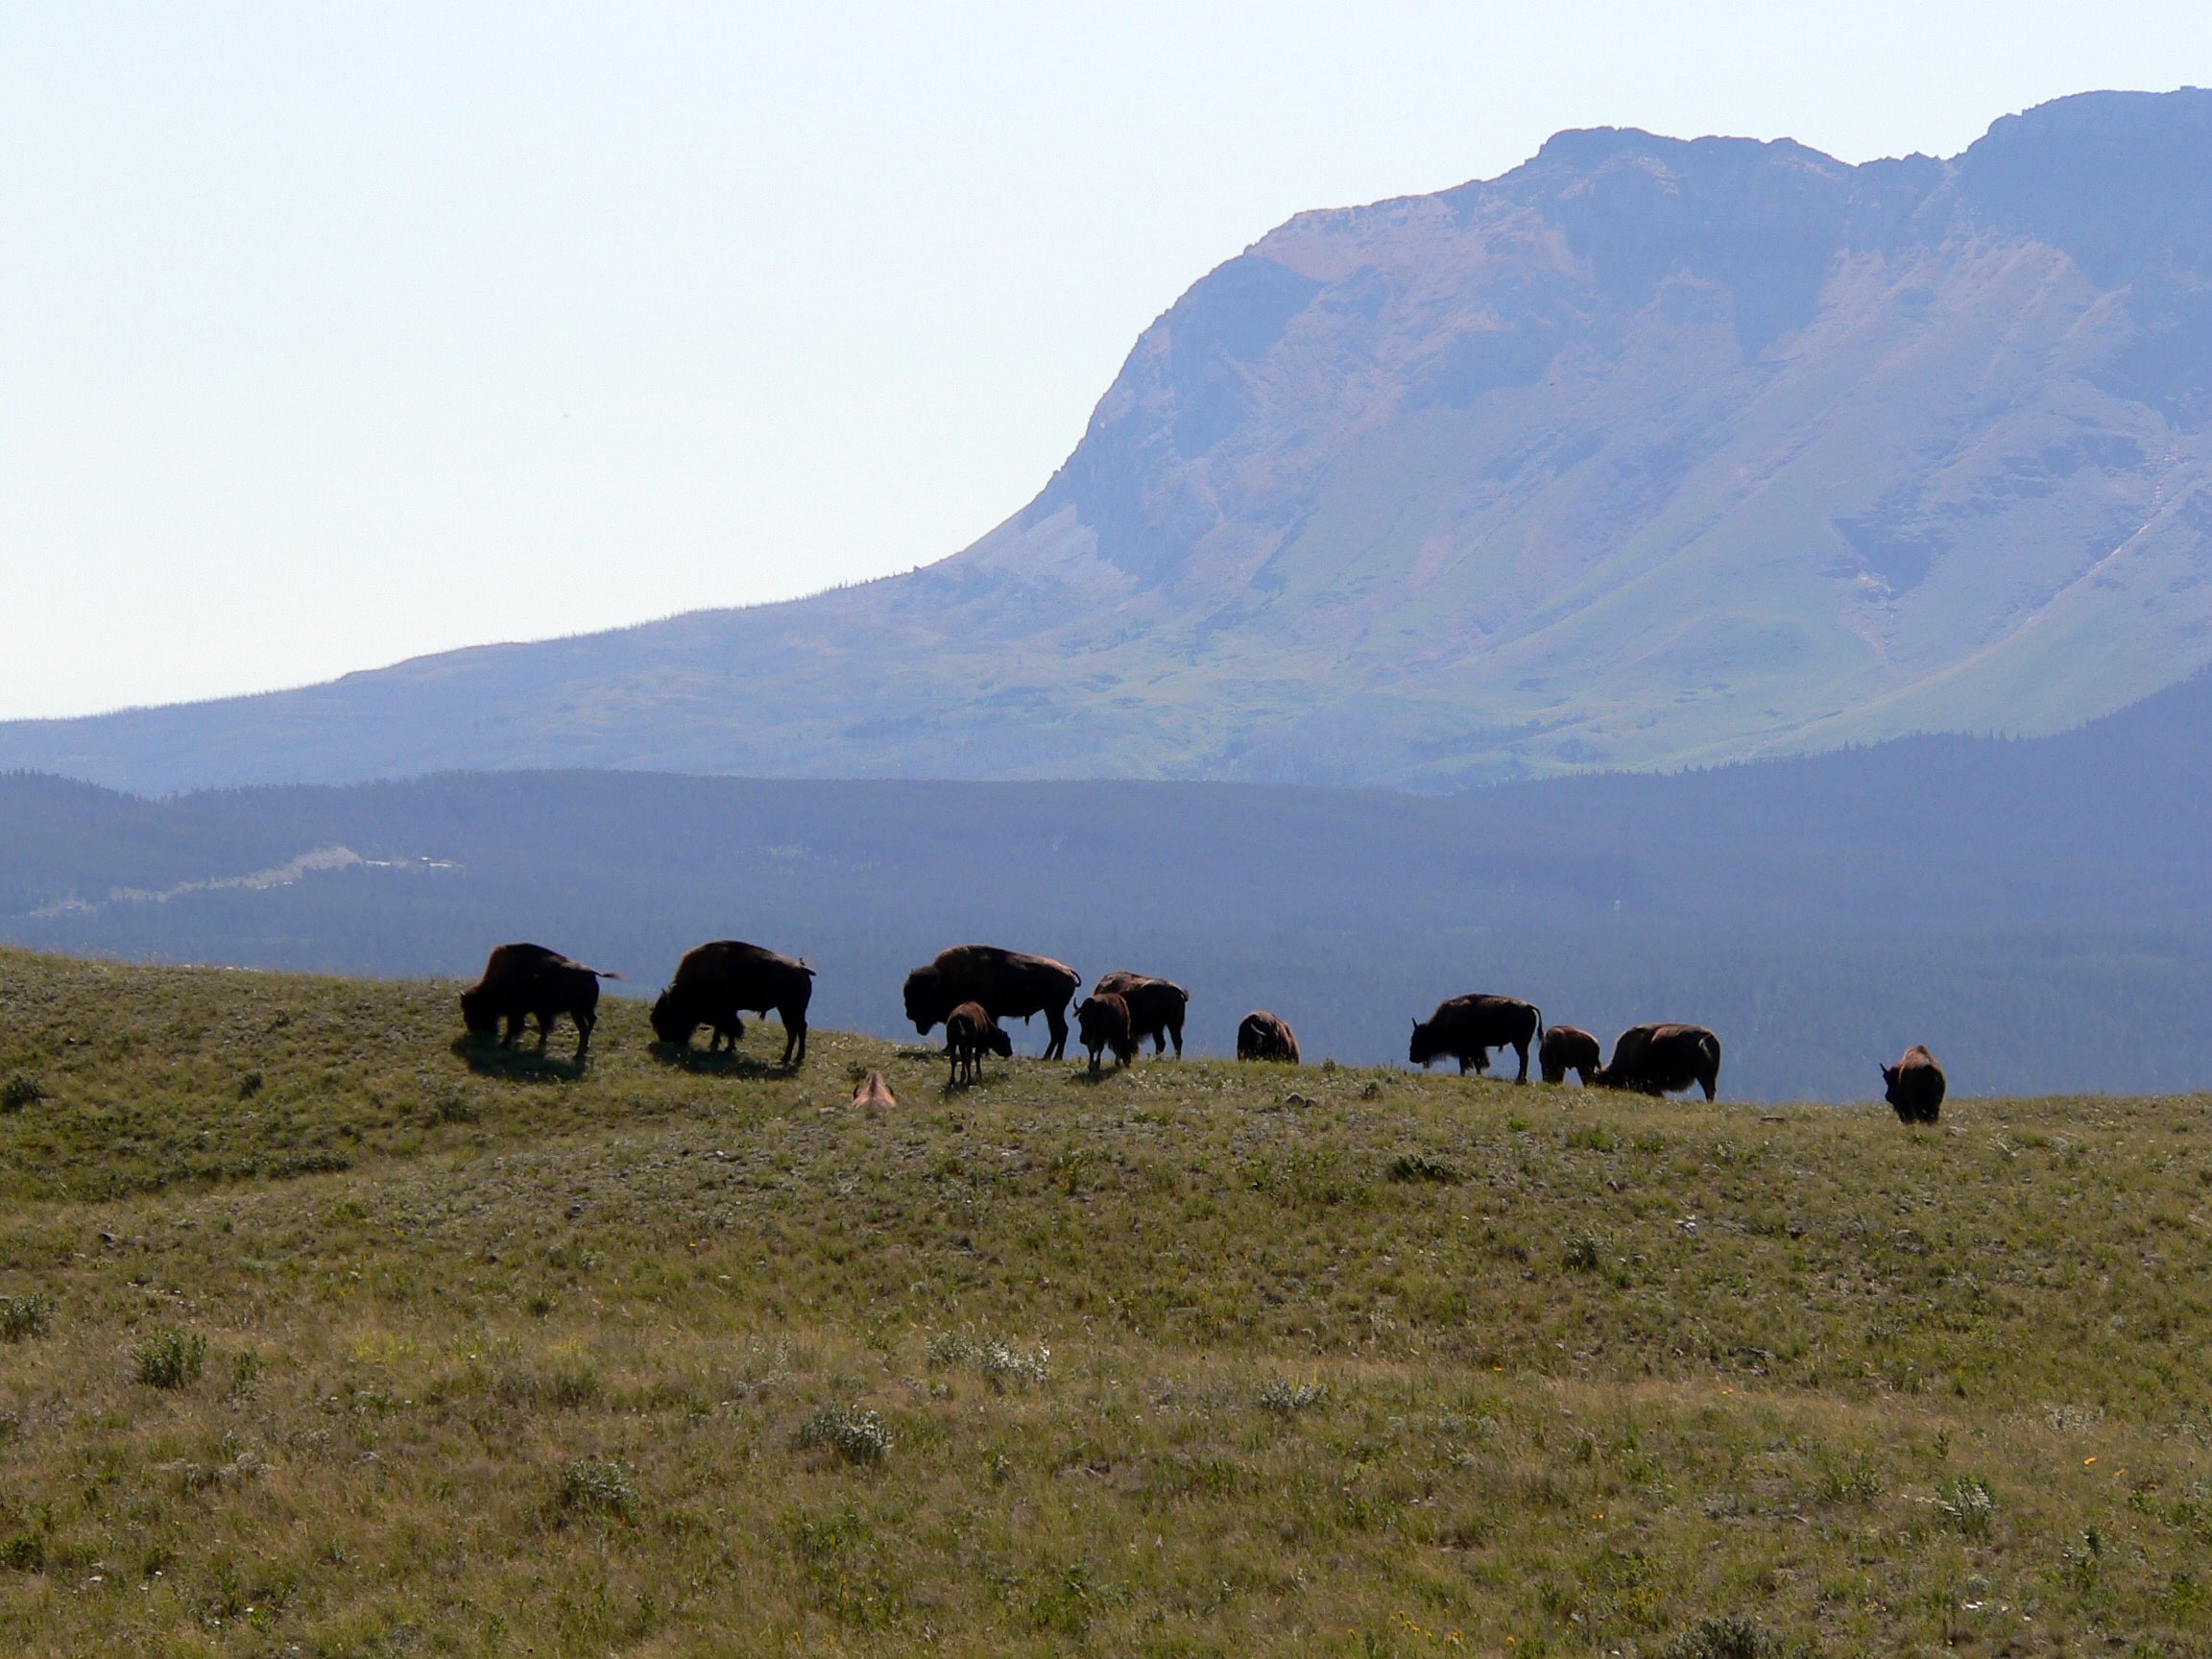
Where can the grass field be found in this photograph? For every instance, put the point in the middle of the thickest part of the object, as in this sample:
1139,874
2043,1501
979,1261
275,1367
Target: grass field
325,1335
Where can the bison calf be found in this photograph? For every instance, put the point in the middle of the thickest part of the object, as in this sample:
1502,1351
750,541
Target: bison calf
1265,1036
1102,1022
1568,1048
1659,1059
524,982
970,1033
1914,1086
1466,1028
874,1092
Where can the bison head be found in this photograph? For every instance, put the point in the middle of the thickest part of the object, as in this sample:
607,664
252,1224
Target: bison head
1422,1048
670,1021
926,1004
999,1042
477,1013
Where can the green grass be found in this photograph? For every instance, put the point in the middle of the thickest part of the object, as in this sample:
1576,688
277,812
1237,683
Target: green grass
667,1359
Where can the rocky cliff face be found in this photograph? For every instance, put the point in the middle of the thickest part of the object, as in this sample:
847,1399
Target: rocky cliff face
1648,452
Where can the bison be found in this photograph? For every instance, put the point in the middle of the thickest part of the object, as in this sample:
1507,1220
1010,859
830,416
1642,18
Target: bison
1568,1048
1468,1027
714,983
874,1092
1156,1007
1012,986
1914,1086
1103,1023
523,982
970,1033
1265,1036
1657,1059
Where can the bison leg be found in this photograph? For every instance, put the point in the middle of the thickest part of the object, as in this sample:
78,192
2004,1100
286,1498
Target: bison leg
584,1025
1522,1049
1175,1031
1056,1022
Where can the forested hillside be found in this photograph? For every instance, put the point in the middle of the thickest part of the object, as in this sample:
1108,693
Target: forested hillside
2038,911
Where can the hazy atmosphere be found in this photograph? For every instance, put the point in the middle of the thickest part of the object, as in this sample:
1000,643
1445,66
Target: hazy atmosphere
336,336
987,832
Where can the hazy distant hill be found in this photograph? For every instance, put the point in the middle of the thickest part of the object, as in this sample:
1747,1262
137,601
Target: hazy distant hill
2040,911
1646,453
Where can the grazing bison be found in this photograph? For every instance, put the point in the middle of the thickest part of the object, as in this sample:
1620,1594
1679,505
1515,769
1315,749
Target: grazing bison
874,1092
1914,1086
1568,1048
1468,1027
523,982
970,1033
1657,1059
1102,1022
1012,986
1265,1036
714,983
1156,1008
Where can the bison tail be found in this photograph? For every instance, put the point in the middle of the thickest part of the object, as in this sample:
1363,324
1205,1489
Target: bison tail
606,974
1539,1024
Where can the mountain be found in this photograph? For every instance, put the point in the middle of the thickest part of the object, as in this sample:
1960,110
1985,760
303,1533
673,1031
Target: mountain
2038,911
1649,453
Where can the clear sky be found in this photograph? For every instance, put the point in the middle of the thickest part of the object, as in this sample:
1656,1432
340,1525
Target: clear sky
334,334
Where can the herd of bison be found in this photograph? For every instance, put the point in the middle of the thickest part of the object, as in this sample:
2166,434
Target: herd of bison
970,988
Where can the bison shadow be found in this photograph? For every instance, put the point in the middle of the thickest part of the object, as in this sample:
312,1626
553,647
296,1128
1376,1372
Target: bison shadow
519,1065
718,1062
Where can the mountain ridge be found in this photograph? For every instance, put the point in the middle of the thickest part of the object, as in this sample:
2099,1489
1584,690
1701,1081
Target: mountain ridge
1649,453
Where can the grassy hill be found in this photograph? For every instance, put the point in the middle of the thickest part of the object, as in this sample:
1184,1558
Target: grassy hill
326,1336
2038,911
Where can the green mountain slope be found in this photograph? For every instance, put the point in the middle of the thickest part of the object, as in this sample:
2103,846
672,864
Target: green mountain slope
1647,452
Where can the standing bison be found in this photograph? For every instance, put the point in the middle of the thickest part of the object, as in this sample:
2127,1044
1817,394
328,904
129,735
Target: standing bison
1659,1059
1010,985
1568,1048
1265,1036
1156,1007
969,1034
1914,1086
524,982
1102,1022
714,983
1466,1028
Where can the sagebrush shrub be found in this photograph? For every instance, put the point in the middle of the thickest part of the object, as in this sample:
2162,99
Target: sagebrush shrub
855,1434
22,1089
589,1486
169,1358
1287,1399
1967,1506
24,1316
1730,1636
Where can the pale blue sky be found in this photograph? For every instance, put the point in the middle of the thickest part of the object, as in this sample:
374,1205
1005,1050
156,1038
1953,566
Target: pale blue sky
331,335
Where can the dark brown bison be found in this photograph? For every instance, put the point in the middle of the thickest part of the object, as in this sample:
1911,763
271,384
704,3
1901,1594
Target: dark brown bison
1156,1008
1012,986
1914,1086
970,1033
714,983
524,982
1102,1022
1568,1048
1658,1059
1265,1036
1468,1027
